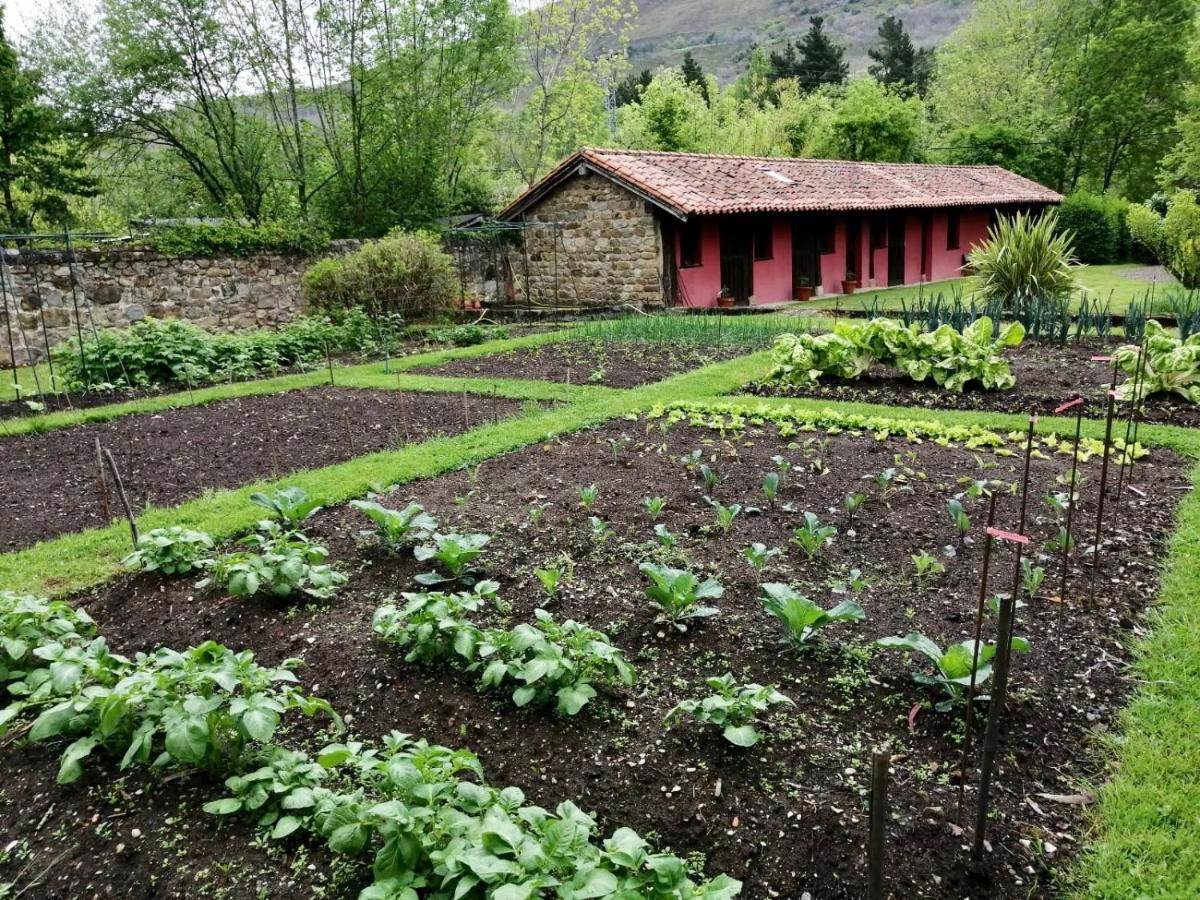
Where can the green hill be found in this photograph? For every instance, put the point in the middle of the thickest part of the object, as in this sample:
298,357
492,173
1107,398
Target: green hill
720,33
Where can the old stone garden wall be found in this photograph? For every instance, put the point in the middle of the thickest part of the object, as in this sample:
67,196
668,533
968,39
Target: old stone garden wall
607,249
118,287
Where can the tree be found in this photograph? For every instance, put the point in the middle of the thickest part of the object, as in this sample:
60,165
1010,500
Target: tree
897,63
630,90
1008,146
693,74
572,53
813,60
874,122
42,161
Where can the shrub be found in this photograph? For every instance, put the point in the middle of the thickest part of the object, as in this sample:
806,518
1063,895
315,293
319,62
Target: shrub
405,273
154,352
1174,238
1099,226
1024,257
238,239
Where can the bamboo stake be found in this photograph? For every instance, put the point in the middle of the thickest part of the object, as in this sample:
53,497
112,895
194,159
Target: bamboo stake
878,836
112,466
1103,490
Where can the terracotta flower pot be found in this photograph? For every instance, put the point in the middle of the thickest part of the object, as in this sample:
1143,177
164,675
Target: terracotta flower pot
849,285
725,302
804,292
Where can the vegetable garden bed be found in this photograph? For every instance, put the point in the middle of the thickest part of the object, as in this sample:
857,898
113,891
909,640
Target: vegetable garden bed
619,364
785,816
1047,376
48,482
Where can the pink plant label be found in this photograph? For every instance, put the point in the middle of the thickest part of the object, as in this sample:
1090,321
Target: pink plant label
1078,401
1010,536
1102,359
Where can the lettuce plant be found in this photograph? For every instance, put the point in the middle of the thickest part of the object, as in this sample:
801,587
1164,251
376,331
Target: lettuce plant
678,594
802,618
455,553
951,358
731,707
654,506
1171,366
952,665
172,551
397,529
927,564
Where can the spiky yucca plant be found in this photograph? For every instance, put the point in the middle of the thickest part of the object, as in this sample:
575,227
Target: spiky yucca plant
1025,257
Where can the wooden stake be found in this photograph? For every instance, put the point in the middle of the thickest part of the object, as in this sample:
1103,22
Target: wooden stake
970,714
1071,493
878,839
112,467
329,362
1103,490
102,484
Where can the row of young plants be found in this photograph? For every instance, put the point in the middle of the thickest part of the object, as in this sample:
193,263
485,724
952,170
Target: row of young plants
425,814
950,357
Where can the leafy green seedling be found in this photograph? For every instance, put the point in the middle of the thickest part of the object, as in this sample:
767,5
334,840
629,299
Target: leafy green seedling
665,536
553,576
962,522
812,536
691,460
290,506
1031,578
802,618
709,477
601,530
397,528
758,555
725,514
455,553
855,582
926,564
782,463
654,506
852,503
679,593
588,495
733,708
953,664
770,487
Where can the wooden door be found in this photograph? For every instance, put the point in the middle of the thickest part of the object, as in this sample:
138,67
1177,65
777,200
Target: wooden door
854,250
896,227
737,260
806,252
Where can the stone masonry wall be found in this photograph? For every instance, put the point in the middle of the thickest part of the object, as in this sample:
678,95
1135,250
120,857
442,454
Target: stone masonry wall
609,248
115,288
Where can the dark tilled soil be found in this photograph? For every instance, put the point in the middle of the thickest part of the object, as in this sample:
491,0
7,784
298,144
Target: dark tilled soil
1048,375
788,816
48,482
618,365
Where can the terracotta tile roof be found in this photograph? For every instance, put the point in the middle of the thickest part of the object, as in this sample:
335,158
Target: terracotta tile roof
696,184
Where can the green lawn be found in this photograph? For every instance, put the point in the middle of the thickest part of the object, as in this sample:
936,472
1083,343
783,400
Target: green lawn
1118,283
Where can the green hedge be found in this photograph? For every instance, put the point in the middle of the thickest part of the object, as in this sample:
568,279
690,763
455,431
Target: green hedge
1099,225
237,239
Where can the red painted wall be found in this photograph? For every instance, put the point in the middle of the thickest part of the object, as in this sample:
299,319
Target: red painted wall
700,285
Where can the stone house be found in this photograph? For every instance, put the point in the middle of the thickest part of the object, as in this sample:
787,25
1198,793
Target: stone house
679,229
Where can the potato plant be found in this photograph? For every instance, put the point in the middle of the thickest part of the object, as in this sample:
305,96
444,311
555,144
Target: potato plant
29,623
424,814
276,562
678,594
200,707
172,551
802,618
434,626
731,707
953,665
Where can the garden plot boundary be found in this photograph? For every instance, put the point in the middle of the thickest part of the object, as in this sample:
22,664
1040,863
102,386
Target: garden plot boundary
359,375
1146,835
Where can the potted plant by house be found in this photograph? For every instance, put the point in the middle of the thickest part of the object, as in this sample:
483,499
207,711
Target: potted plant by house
725,298
804,290
850,283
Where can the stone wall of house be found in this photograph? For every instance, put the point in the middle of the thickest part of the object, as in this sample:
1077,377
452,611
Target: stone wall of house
605,250
115,288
